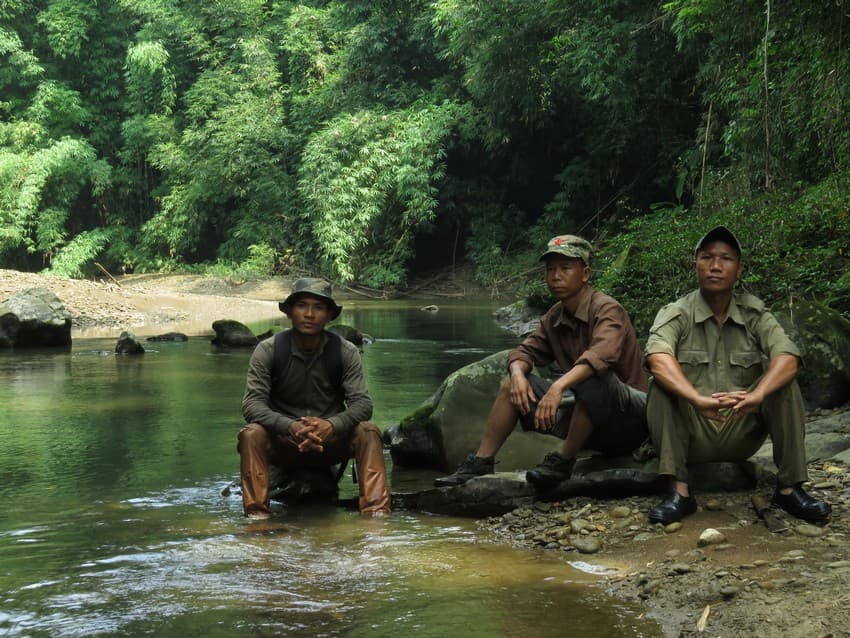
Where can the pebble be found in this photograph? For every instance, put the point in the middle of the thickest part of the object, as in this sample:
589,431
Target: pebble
712,505
729,591
680,568
672,528
643,536
621,511
578,524
839,564
811,531
710,536
587,544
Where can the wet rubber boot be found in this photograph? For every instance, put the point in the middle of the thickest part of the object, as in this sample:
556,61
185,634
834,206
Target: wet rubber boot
254,470
368,452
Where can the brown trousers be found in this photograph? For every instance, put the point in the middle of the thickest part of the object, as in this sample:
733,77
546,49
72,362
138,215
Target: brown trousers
257,448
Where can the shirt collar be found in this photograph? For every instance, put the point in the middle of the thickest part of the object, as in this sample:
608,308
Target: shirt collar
582,312
702,312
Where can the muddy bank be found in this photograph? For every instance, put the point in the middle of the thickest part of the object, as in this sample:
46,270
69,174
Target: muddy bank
742,580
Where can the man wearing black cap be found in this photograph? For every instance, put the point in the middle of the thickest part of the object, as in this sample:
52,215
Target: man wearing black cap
313,411
589,339
723,379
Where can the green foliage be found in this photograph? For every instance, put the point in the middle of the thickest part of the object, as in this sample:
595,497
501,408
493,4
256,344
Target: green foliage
66,24
364,139
75,258
794,247
369,180
39,188
150,82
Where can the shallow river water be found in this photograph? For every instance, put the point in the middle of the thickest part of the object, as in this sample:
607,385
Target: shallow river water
113,520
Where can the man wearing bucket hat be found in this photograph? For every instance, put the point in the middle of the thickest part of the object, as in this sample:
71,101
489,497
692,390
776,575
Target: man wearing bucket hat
723,379
598,397
308,407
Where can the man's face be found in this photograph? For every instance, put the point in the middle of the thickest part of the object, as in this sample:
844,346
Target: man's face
309,314
566,276
718,267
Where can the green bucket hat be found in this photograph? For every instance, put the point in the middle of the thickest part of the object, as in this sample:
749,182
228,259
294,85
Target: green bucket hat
311,286
569,246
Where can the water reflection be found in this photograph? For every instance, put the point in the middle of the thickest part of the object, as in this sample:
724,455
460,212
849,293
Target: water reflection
111,472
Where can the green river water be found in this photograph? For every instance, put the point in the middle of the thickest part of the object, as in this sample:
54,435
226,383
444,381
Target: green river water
113,522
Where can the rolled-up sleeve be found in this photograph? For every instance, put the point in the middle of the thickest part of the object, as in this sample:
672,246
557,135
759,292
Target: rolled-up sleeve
665,331
535,350
773,339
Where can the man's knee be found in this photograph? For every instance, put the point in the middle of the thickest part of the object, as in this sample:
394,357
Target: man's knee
252,435
366,432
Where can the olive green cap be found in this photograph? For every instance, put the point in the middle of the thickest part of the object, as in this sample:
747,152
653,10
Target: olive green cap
569,246
719,233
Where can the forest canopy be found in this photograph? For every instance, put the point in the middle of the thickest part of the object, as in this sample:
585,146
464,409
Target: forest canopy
373,141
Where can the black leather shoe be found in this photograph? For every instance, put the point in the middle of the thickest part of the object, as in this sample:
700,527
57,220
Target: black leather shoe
673,508
801,505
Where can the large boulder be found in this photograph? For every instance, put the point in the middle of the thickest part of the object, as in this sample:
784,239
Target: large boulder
453,420
34,318
823,336
232,334
349,333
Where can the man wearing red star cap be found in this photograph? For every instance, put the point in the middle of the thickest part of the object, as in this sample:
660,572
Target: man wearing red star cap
589,341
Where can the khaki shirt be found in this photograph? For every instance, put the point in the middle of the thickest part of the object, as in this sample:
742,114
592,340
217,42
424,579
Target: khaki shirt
305,390
599,334
719,358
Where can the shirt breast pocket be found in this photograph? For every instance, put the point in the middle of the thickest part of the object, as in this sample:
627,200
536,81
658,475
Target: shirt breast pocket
694,364
745,368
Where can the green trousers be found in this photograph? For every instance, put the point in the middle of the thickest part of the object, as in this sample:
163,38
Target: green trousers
683,436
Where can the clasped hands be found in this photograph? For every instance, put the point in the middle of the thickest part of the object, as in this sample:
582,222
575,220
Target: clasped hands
310,433
729,406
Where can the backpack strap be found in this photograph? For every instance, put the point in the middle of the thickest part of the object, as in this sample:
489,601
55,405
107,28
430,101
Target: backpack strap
280,358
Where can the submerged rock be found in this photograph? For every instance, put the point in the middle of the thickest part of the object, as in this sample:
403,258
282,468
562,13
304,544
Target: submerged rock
128,344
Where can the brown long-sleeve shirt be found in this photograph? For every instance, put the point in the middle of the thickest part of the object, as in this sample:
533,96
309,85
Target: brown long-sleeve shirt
599,334
306,389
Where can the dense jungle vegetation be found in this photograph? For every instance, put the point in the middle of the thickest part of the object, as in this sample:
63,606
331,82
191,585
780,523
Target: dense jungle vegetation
376,140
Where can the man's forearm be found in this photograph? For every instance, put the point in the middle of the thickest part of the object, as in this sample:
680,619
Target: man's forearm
668,374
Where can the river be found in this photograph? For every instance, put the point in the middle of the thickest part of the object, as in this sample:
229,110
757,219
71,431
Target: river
114,523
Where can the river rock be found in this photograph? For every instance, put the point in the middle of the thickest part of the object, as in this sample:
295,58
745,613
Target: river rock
128,344
586,544
482,496
351,334
456,418
176,337
823,336
34,318
520,318
710,536
303,485
812,531
232,334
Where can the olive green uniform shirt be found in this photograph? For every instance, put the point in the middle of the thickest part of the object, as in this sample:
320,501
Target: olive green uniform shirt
724,358
306,389
719,358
